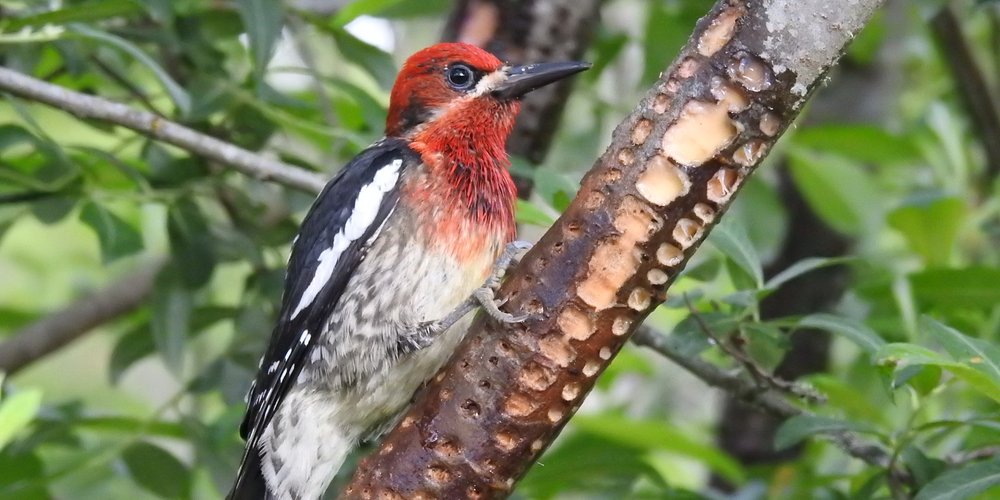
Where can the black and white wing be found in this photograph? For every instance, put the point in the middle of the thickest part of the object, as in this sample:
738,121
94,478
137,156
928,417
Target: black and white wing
331,243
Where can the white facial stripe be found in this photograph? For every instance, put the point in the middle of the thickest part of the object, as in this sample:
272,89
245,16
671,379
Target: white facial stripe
490,82
362,216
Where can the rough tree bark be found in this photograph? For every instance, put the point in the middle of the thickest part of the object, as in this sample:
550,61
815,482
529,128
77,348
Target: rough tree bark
524,31
642,210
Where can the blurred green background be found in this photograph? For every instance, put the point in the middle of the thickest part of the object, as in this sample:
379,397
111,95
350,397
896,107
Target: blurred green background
879,206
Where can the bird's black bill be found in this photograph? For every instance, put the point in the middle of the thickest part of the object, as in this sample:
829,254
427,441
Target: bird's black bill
523,79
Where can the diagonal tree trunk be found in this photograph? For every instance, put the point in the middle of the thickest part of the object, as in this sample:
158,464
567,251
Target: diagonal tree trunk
643,209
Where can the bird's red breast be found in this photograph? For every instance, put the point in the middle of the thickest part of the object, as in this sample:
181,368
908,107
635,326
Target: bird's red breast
462,140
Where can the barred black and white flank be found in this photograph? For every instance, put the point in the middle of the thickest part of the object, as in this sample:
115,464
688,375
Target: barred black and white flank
343,358
392,246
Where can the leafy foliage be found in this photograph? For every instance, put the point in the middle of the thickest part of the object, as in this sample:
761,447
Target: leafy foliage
149,406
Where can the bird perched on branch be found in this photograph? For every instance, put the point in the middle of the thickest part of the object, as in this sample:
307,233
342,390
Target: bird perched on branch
410,236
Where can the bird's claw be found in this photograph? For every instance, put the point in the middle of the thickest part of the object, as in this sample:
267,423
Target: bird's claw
486,295
507,259
491,305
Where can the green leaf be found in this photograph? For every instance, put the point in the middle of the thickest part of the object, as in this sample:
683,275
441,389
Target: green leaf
190,243
131,426
654,435
553,186
974,353
689,337
172,304
766,344
801,427
865,47
930,225
131,347
965,482
22,476
922,467
262,20
353,10
923,378
529,213
370,113
416,8
52,209
373,59
177,93
590,465
969,287
851,329
839,191
117,237
865,143
799,268
157,471
87,11
32,159
137,343
16,412
14,135
732,240
607,46
900,355
667,25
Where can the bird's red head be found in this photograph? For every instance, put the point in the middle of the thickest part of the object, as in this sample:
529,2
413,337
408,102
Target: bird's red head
446,81
456,104
434,79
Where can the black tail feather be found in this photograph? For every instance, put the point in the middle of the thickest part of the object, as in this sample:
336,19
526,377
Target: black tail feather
250,484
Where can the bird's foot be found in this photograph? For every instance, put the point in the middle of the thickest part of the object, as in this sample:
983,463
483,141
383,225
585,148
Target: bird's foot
507,259
486,294
424,333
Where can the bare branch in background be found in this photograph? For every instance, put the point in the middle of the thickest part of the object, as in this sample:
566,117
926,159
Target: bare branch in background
767,398
671,169
87,106
58,329
983,453
980,102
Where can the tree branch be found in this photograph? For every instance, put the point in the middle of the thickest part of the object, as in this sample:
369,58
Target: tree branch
671,169
974,91
87,106
60,328
768,399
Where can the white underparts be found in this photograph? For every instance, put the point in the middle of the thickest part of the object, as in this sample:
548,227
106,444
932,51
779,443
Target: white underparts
366,208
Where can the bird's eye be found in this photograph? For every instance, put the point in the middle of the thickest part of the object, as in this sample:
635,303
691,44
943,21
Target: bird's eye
461,77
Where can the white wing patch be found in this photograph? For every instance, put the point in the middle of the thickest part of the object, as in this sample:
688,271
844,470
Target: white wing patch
365,210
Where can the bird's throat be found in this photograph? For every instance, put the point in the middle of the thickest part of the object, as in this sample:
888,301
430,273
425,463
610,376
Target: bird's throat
465,151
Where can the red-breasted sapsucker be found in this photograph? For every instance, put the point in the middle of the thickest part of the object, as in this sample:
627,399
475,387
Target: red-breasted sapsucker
386,263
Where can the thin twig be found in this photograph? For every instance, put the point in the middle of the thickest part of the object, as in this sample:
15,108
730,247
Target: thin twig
758,373
766,398
963,457
60,328
123,82
86,106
